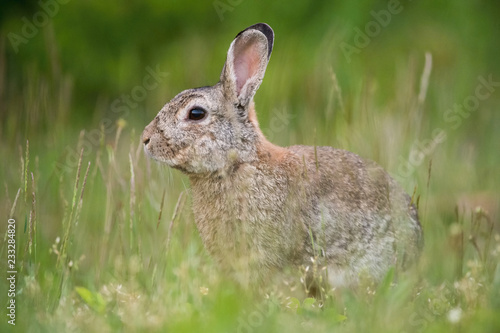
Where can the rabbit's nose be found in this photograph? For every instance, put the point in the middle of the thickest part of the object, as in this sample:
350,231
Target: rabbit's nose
146,136
148,132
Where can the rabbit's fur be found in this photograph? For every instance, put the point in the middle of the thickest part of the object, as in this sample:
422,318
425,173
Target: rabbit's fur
260,208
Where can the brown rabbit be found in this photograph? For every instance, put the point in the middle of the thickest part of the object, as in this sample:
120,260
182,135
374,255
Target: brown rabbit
259,207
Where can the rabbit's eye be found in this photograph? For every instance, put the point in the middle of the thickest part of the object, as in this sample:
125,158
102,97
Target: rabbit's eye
197,114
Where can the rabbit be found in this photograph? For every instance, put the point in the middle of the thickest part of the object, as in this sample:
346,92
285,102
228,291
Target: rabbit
260,208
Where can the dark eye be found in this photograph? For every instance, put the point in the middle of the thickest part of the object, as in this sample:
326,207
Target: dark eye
197,114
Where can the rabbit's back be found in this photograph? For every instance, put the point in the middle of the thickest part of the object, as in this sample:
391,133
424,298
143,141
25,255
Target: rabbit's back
361,219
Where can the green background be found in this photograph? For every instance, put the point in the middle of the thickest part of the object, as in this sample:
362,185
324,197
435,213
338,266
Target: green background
121,264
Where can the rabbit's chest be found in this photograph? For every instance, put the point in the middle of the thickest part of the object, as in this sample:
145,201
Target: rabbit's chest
233,206
242,215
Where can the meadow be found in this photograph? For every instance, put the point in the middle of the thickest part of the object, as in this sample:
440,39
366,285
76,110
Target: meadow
105,238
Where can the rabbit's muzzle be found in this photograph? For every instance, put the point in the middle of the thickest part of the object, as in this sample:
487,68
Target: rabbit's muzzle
149,132
175,153
155,143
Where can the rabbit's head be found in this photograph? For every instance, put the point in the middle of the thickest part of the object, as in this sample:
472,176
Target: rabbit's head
210,129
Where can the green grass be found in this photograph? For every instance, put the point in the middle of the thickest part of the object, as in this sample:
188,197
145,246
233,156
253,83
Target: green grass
106,241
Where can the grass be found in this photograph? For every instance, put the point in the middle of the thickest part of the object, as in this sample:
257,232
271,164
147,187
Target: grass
106,239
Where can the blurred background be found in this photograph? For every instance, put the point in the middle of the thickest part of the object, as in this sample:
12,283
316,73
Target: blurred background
354,75
96,52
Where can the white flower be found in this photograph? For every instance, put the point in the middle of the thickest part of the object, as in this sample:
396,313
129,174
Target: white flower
454,315
204,290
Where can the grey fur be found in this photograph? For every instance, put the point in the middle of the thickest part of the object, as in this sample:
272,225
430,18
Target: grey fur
260,208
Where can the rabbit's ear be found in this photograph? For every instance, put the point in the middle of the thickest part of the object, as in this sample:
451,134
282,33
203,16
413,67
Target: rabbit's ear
246,62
